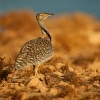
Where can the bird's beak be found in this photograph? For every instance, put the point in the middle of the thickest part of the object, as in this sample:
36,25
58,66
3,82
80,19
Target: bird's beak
51,14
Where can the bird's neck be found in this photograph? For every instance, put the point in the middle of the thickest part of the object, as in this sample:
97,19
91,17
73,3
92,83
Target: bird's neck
44,30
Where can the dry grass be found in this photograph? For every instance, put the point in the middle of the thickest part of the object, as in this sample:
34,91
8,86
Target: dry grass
73,72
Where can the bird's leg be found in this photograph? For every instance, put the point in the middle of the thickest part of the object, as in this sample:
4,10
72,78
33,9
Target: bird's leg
36,70
38,75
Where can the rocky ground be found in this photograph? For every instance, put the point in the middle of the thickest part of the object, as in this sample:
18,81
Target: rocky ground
72,73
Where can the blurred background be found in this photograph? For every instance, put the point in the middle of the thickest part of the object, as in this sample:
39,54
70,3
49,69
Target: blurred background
75,26
66,6
75,32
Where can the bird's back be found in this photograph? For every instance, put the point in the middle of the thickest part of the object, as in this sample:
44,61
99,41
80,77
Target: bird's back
34,52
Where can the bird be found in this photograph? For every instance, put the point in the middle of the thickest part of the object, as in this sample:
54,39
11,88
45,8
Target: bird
36,51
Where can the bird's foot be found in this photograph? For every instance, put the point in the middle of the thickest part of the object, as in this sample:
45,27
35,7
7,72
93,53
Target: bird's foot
40,76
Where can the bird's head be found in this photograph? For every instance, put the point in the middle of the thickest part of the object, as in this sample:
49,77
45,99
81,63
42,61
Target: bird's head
42,16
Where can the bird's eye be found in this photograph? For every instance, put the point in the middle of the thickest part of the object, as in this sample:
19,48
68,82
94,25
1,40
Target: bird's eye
40,16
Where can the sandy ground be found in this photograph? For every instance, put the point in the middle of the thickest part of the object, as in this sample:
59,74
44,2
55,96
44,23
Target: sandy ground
72,73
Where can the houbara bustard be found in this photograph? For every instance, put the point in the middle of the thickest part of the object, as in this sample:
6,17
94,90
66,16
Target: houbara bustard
36,51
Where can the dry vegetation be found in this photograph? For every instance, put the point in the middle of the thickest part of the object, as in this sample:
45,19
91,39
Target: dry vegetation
73,72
